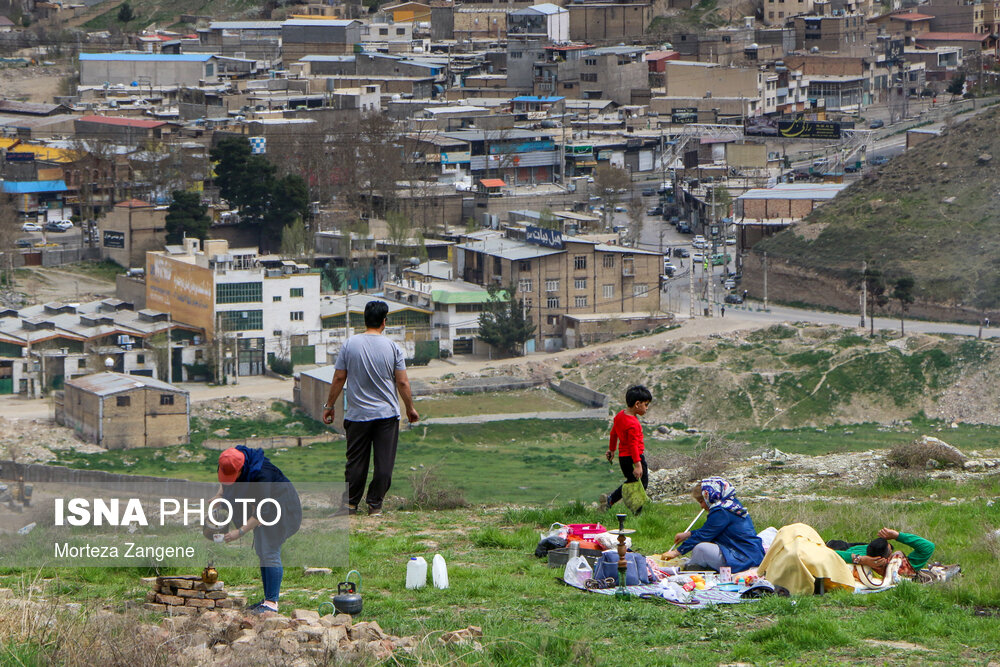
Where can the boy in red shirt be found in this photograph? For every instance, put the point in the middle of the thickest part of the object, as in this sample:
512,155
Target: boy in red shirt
626,435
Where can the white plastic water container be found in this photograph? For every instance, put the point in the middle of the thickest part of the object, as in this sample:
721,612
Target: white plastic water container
416,572
439,572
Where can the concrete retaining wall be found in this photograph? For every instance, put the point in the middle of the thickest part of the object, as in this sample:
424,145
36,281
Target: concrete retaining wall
275,442
41,473
578,392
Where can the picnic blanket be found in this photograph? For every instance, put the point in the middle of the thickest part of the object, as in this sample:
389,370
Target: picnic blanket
699,599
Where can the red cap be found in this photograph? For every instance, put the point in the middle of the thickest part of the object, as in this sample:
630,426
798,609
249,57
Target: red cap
230,465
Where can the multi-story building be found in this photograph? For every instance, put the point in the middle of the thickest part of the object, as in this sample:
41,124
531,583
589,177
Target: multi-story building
682,78
959,15
261,308
583,72
843,34
559,276
777,12
602,22
905,26
304,37
517,156
545,21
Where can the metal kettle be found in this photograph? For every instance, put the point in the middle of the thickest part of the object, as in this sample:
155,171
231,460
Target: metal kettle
348,597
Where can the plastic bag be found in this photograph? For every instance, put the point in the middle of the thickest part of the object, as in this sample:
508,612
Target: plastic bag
546,544
609,541
577,572
556,530
634,496
673,592
767,536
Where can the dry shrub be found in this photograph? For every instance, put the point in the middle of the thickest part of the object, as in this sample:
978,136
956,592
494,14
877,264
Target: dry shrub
918,453
430,492
992,543
711,456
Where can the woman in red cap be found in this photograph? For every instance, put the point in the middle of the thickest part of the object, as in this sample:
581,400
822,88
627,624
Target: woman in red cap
247,473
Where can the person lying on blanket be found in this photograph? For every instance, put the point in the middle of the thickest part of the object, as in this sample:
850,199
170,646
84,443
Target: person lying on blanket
727,538
877,553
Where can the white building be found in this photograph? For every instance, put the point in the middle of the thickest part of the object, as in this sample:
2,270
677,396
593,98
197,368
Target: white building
261,306
455,304
544,20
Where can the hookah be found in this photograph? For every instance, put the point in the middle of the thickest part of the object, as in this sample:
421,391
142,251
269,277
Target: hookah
621,532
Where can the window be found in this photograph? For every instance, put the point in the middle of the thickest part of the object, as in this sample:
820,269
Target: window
209,70
123,401
166,399
590,62
383,31
241,320
238,293
296,316
276,298
608,291
296,292
524,285
551,284
524,265
591,78
400,31
609,261
580,302
552,302
140,358
580,283
640,289
468,307
552,319
580,262
516,55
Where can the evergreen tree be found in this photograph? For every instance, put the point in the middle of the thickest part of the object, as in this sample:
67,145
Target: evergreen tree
503,323
125,13
187,216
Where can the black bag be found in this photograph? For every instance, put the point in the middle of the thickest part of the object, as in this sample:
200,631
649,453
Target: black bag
546,544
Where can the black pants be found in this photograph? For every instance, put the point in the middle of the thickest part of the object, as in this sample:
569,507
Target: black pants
627,463
378,436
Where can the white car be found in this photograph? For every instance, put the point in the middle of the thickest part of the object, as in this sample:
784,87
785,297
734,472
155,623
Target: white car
730,240
620,209
31,227
59,225
697,256
699,243
698,238
729,284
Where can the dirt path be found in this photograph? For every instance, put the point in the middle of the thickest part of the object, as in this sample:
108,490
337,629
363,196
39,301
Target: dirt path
93,12
43,284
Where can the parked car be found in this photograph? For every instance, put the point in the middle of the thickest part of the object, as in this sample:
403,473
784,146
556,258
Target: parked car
879,160
656,210
23,243
620,209
851,168
733,298
730,240
697,256
729,284
700,244
698,238
683,227
681,252
649,192
31,227
58,225
669,270
876,124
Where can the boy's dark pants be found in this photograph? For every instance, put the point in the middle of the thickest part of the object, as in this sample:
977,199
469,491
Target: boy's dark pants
627,463
378,436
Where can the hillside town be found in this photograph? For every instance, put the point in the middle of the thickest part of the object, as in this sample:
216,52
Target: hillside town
603,167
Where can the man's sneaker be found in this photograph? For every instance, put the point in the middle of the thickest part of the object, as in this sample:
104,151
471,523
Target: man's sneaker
374,511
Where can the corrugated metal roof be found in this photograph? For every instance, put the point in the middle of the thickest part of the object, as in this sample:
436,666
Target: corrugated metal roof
33,187
107,384
122,121
795,191
147,57
546,8
244,25
325,23
536,98
508,248
327,59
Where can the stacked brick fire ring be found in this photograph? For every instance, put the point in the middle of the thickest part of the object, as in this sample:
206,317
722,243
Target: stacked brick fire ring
188,594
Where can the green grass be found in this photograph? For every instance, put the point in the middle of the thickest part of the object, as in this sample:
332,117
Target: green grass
104,270
530,619
167,13
505,402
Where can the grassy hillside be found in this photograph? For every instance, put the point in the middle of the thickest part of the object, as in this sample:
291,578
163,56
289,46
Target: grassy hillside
800,376
902,220
166,13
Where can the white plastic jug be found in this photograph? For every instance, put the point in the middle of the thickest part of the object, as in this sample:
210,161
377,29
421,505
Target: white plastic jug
416,572
577,572
439,572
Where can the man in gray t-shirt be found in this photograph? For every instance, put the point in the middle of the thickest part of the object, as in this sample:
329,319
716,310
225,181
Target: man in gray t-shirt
372,368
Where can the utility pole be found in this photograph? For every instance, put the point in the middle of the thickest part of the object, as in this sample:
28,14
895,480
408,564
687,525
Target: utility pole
864,292
713,230
347,290
170,364
765,280
691,286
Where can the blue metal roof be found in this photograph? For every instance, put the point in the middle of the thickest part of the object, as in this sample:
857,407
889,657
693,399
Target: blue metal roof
147,57
536,98
33,187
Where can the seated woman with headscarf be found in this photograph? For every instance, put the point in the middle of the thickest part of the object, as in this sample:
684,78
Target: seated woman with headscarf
727,538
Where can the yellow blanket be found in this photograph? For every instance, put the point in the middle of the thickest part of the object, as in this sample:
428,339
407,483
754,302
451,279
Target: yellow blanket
798,557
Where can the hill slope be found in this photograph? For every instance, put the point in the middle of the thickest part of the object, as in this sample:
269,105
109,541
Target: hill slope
902,219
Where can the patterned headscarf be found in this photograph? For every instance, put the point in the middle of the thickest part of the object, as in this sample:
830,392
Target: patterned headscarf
718,492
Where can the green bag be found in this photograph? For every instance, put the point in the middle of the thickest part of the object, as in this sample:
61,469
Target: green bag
634,496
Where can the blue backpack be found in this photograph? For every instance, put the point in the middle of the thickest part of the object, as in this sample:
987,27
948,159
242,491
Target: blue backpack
636,572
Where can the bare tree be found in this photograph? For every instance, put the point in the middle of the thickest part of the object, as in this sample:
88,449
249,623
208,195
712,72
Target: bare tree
10,228
636,213
609,181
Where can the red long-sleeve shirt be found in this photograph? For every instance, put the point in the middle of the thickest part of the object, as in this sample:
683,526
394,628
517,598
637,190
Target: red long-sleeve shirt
626,435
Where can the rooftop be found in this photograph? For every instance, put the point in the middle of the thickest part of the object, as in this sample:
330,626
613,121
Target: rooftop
147,57
107,384
122,121
795,191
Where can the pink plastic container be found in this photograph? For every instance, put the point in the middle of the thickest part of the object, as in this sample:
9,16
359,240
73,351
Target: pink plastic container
586,530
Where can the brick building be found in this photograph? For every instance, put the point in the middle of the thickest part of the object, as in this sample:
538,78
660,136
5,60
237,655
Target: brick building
119,411
564,276
608,22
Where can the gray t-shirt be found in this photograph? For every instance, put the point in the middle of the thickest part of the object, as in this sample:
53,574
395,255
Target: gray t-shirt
371,362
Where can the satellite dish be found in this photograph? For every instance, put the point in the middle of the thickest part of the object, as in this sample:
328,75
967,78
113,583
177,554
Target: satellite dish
414,261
